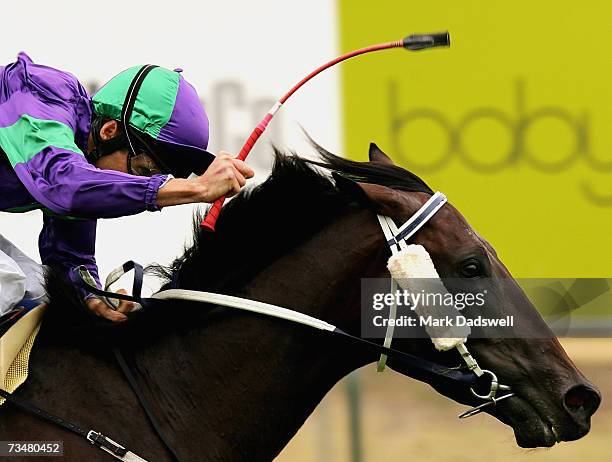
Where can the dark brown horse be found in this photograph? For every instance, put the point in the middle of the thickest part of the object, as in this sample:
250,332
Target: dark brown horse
233,386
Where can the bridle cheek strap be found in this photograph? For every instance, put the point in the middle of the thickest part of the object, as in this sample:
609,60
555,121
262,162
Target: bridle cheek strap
397,240
390,230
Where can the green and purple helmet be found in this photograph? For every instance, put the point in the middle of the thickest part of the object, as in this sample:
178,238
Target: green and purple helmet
160,113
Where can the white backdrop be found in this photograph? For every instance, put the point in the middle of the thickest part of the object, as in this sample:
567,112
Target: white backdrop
239,55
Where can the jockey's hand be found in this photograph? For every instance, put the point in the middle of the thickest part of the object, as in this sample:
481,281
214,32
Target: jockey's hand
103,310
224,177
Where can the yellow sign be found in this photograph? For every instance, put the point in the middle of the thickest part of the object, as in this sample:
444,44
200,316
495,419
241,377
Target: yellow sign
513,122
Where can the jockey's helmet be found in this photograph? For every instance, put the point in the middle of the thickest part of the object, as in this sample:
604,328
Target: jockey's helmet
161,116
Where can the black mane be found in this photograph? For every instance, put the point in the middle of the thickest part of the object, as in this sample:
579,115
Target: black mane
266,222
391,176
254,229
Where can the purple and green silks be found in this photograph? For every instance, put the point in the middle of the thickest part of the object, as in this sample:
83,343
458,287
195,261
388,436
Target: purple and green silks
45,115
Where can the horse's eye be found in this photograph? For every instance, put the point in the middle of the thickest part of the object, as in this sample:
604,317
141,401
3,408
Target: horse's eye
471,268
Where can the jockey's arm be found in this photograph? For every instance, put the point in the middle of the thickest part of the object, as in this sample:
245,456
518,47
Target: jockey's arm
224,177
64,182
67,243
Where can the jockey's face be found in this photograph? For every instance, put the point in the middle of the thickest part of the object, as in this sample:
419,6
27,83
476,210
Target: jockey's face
141,164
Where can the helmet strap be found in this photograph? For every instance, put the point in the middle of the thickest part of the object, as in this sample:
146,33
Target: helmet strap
130,102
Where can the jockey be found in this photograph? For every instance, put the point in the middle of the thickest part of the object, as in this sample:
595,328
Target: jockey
138,144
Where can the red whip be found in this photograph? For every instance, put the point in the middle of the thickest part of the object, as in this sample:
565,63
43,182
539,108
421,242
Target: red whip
412,42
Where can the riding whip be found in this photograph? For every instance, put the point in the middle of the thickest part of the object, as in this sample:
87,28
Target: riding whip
412,42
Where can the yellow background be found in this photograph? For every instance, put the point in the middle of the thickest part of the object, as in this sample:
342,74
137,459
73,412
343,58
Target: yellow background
541,223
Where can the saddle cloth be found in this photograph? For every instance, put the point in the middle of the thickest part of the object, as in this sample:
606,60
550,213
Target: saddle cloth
15,347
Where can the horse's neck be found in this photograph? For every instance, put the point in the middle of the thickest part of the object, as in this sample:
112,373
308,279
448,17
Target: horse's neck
241,393
243,385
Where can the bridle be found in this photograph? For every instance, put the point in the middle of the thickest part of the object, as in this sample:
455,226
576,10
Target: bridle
416,367
397,239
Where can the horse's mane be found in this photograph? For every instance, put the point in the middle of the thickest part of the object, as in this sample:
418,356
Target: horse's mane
264,223
255,228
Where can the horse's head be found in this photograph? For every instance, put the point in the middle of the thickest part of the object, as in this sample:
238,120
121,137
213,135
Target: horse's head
553,401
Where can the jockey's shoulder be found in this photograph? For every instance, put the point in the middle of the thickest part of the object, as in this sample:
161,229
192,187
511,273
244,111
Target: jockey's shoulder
44,81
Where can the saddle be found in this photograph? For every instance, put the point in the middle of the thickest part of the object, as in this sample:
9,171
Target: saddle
18,330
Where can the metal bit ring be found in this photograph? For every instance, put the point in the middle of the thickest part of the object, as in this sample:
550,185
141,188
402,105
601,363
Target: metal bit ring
492,391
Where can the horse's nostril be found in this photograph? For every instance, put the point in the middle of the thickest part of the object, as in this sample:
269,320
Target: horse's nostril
582,399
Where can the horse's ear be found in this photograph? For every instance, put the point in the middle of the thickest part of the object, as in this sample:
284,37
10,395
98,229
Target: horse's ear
352,189
370,196
377,155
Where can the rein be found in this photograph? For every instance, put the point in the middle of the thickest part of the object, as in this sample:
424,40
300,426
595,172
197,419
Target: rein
97,439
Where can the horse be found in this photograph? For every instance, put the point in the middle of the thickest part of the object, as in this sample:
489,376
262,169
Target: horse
227,385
